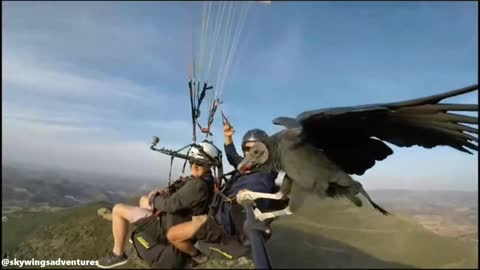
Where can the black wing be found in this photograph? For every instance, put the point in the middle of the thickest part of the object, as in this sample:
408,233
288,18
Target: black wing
352,136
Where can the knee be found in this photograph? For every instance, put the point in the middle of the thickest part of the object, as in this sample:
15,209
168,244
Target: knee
117,208
143,202
171,235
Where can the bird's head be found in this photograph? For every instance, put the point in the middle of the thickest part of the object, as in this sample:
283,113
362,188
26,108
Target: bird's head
255,156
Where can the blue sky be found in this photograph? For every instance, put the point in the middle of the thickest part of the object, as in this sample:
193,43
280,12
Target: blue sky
86,85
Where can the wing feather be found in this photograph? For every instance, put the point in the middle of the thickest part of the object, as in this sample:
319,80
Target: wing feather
354,137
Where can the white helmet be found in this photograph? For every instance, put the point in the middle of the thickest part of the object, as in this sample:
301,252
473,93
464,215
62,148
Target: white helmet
208,148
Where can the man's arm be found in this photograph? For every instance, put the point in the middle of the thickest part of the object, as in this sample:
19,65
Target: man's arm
186,197
161,191
232,156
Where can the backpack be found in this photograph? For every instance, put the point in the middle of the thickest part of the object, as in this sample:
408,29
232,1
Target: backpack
151,244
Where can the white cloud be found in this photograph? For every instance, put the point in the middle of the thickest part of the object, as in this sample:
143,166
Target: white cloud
30,75
71,133
81,148
45,115
67,128
97,36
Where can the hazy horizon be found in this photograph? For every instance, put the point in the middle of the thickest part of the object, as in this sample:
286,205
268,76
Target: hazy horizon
162,178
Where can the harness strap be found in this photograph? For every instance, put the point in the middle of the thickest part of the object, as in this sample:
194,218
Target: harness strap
226,198
218,196
183,168
192,106
227,174
170,171
224,118
202,94
212,114
197,99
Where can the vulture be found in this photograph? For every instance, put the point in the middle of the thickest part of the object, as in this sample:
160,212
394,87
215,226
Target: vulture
319,150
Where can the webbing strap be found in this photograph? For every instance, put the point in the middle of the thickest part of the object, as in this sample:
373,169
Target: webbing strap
183,168
211,116
192,106
170,170
224,118
217,197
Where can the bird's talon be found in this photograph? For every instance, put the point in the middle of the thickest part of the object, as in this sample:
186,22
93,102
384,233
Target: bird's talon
245,195
261,216
258,214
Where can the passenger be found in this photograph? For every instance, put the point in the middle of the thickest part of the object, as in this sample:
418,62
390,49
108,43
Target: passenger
254,181
227,220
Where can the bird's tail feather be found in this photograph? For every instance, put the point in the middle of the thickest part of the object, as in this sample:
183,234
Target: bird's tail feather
354,199
336,191
376,206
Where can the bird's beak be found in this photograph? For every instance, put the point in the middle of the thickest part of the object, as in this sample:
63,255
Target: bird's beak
245,165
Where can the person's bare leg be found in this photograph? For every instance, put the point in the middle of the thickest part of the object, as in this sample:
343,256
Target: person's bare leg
121,214
179,236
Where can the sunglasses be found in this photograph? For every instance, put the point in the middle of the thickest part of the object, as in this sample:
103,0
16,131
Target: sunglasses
246,148
196,163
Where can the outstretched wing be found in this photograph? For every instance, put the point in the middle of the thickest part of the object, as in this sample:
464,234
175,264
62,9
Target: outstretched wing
353,137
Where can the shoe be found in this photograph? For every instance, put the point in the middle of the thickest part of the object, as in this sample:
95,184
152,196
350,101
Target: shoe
112,260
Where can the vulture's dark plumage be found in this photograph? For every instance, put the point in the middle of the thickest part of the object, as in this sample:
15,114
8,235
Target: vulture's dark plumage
320,149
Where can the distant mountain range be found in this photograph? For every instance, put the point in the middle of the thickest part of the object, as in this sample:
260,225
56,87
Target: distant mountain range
33,188
447,213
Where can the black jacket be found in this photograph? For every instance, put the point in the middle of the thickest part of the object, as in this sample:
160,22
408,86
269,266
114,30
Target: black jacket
232,156
192,199
256,181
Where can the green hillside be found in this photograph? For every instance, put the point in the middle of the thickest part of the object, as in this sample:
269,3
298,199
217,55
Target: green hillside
362,237
325,234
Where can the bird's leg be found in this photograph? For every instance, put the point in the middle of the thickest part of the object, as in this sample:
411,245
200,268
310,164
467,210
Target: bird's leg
263,216
286,185
244,195
247,195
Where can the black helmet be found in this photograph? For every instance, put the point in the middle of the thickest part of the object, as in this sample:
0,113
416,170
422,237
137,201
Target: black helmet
254,135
